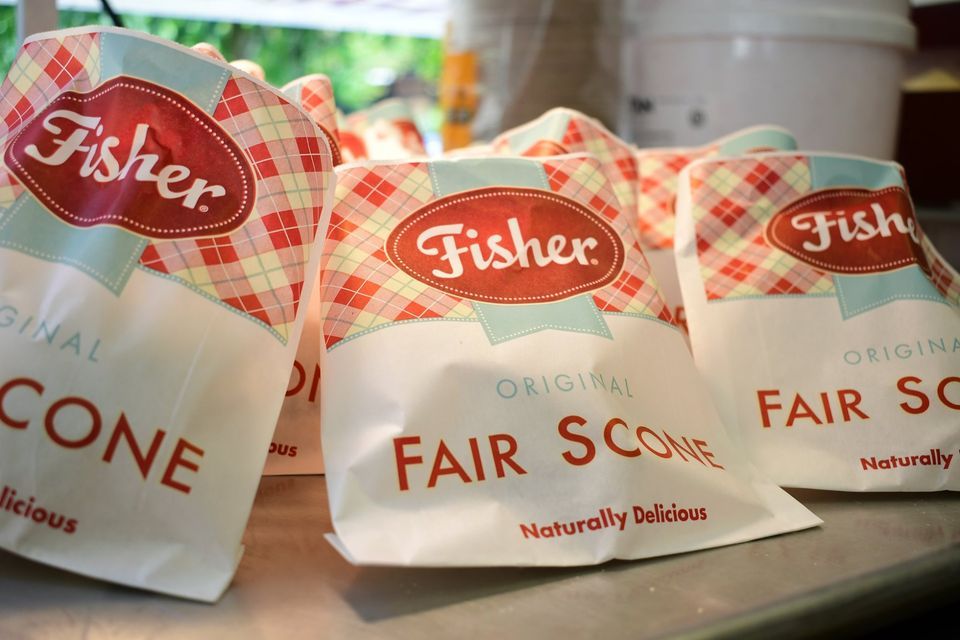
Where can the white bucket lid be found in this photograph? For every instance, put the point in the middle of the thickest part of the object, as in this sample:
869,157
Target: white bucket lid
836,21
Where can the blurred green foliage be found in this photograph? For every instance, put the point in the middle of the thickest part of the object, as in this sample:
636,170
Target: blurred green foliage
284,53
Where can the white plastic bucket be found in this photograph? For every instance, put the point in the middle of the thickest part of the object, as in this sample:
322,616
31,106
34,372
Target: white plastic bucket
829,71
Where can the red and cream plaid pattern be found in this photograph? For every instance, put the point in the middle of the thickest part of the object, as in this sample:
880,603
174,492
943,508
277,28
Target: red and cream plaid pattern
315,94
41,71
260,268
732,200
10,189
363,290
387,129
582,134
316,98
616,156
658,171
944,277
635,291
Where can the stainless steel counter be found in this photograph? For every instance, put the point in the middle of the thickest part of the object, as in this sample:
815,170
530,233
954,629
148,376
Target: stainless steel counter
877,555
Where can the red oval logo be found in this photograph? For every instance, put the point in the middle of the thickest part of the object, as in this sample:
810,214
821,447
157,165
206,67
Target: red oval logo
507,245
849,230
135,155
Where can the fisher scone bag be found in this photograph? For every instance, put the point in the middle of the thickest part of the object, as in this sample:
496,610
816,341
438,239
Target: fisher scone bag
158,216
823,319
295,448
657,172
503,384
384,131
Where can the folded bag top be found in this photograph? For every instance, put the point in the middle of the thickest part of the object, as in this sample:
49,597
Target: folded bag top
160,219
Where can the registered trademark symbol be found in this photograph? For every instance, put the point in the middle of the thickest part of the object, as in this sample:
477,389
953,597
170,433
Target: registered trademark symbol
594,261
204,208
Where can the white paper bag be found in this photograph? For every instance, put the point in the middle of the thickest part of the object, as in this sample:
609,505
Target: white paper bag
158,217
502,385
824,321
